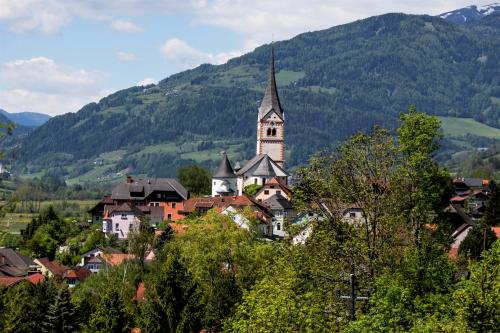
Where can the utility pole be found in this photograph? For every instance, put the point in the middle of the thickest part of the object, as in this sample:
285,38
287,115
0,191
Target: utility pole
352,296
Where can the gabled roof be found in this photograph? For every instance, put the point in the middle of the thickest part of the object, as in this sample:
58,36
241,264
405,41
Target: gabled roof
275,182
116,259
277,201
124,207
271,101
265,166
15,259
53,266
142,188
225,170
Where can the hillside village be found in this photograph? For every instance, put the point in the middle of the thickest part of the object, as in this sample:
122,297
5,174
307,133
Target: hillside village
258,196
165,201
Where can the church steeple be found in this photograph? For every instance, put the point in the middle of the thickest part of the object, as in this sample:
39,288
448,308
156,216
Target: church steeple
271,99
271,120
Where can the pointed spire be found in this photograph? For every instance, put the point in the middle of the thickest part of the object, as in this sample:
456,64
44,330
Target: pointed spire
225,170
271,99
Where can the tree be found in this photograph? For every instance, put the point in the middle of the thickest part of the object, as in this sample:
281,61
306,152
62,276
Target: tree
477,298
141,240
61,316
492,212
479,239
195,179
110,315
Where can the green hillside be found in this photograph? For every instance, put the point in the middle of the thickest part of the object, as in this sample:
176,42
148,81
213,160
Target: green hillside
332,83
455,127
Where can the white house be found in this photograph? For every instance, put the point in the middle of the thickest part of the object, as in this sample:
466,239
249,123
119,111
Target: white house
120,220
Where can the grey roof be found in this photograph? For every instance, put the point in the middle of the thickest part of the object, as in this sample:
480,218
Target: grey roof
473,182
225,170
277,201
264,166
125,208
147,186
271,99
16,259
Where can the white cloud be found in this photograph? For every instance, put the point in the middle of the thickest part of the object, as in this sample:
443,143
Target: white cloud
146,82
42,85
125,26
182,55
255,19
125,56
45,75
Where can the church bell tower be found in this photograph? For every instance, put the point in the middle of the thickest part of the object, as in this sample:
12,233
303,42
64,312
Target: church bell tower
271,121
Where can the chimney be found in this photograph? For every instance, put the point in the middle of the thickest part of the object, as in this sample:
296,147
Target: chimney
129,180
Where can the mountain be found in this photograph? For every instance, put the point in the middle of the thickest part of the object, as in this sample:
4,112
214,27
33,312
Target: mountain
471,13
27,119
332,83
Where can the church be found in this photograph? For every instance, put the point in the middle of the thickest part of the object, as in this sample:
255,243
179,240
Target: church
269,161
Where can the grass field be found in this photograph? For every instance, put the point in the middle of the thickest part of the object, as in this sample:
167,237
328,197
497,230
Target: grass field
454,127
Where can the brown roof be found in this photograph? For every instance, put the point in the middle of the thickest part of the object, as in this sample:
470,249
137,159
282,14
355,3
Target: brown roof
7,281
240,201
124,207
53,266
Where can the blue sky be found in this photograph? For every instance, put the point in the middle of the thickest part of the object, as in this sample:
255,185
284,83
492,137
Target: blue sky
58,55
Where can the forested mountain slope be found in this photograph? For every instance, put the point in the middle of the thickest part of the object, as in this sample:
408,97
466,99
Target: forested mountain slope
332,83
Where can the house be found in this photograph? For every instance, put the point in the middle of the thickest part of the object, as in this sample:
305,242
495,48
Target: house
50,268
9,281
87,259
120,220
281,208
15,264
237,204
73,277
159,199
272,187
97,211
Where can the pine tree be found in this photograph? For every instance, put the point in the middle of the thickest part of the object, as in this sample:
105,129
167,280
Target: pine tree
492,212
61,316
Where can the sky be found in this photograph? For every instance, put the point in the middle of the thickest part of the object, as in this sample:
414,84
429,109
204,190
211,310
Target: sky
58,55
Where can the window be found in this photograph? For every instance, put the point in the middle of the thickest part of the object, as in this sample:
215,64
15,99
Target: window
263,181
130,226
278,226
266,191
269,132
278,213
255,181
273,132
124,217
169,216
158,195
117,226
352,214
214,183
174,205
278,192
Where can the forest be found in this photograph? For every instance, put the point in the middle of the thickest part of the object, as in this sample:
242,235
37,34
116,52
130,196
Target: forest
221,278
332,83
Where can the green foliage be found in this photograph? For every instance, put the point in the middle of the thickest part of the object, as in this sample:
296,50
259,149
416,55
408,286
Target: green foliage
109,315
479,239
252,189
61,316
195,179
492,212
476,299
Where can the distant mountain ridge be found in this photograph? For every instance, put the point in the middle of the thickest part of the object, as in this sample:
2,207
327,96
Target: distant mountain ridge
27,119
332,83
471,13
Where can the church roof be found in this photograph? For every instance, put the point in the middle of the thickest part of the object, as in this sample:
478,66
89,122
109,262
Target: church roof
225,170
271,99
265,166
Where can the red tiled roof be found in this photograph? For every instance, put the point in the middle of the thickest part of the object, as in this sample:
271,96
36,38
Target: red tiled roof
457,199
115,259
53,266
8,281
35,278
496,230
